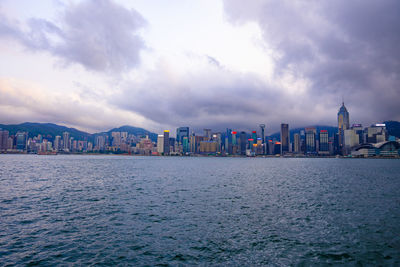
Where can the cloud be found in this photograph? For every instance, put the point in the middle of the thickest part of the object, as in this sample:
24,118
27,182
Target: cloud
342,48
100,35
22,101
206,95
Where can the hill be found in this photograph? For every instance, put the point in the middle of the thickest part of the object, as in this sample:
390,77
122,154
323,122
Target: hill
133,130
47,130
51,130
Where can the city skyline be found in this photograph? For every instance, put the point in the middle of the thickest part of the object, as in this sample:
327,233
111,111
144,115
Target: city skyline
159,65
355,140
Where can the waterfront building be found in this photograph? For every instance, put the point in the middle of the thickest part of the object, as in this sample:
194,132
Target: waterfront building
284,138
160,144
166,148
208,147
382,149
297,144
57,143
100,142
323,148
4,134
66,141
311,146
376,133
185,144
254,135
262,127
343,124
21,140
207,134
351,140
243,143
181,132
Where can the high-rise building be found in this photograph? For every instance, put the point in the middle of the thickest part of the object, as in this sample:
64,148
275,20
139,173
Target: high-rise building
57,143
185,144
262,127
323,142
207,134
21,138
243,143
166,142
297,144
66,141
160,144
284,138
343,124
4,134
180,133
311,146
376,133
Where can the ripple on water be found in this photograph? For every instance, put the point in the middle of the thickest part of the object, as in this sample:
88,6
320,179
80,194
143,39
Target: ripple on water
87,210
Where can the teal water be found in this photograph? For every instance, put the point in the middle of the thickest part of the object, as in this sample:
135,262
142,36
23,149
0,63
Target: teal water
116,210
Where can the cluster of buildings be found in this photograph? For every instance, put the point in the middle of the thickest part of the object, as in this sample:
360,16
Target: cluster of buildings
354,141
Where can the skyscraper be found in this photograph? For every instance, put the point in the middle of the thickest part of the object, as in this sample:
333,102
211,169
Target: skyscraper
343,118
323,142
284,138
180,133
311,146
166,142
66,141
297,144
343,124
262,126
21,138
207,134
160,144
243,143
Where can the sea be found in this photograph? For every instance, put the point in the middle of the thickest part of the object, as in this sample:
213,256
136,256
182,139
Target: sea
198,211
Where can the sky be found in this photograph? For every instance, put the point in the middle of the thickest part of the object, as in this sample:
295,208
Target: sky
99,64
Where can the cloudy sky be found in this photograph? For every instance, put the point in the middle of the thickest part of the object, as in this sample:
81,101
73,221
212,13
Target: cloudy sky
98,64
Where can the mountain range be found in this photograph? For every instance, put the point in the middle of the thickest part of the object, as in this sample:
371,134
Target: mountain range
50,130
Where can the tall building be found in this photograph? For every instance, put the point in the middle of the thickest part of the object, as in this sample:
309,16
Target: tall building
21,138
284,138
57,143
180,133
297,144
262,127
343,124
160,144
185,144
323,142
166,148
311,146
207,134
4,134
66,142
243,143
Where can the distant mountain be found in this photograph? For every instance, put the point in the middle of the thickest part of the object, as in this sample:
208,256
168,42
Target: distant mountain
132,130
331,131
393,128
51,130
47,130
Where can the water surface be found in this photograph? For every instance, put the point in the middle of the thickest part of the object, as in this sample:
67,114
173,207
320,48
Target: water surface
123,210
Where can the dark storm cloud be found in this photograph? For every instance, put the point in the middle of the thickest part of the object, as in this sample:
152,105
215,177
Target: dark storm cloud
100,35
211,97
345,48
